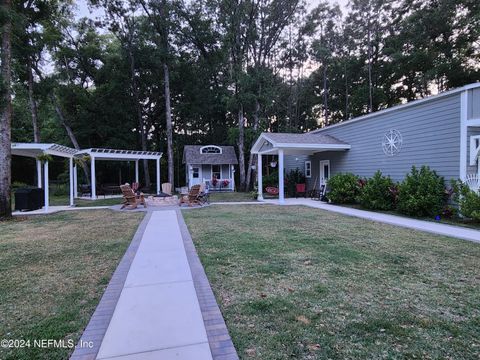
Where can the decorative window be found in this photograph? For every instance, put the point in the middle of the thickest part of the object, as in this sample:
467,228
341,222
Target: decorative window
210,149
308,169
216,172
195,172
392,142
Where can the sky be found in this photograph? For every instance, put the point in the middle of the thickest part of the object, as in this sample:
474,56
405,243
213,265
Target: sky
83,10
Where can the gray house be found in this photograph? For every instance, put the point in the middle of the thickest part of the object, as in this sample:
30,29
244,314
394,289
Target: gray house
441,131
210,164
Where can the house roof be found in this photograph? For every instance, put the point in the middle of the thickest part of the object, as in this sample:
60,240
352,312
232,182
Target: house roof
192,155
270,143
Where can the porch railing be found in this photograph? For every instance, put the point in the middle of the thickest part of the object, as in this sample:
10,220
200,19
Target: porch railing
221,184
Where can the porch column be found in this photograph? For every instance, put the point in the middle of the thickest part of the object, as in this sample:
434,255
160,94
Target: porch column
72,182
75,181
93,183
158,176
232,176
136,171
259,177
39,174
45,182
281,181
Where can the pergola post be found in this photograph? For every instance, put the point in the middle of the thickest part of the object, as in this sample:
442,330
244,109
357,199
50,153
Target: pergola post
93,184
259,177
72,182
45,182
158,176
39,174
281,181
136,172
75,181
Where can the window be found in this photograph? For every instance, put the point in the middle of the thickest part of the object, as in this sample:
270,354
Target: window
308,169
211,149
195,172
216,172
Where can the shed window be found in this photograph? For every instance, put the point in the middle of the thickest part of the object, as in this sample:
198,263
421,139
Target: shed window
308,169
210,150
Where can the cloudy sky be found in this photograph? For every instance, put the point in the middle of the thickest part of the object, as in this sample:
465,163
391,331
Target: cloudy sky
84,11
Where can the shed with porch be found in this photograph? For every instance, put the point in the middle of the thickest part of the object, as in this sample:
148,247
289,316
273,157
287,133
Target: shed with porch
213,165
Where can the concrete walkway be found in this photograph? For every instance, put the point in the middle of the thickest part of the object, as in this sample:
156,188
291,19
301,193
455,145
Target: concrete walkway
428,226
157,315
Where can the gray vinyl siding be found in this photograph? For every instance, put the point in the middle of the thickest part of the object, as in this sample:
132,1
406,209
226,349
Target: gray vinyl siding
430,132
292,162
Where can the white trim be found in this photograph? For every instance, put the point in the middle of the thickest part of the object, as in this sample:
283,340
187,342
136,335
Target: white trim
310,168
473,122
463,134
211,146
402,106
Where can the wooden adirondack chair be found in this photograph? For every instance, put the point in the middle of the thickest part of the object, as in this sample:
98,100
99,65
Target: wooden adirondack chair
193,196
130,200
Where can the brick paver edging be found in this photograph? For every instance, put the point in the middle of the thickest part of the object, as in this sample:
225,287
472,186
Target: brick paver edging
219,339
96,328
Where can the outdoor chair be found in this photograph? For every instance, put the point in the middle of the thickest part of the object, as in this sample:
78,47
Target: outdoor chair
318,194
130,200
167,188
193,196
300,189
204,195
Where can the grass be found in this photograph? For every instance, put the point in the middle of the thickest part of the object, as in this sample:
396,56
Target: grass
54,270
65,200
230,196
296,282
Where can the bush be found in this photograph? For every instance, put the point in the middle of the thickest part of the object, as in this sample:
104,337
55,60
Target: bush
422,193
343,188
376,193
294,177
468,200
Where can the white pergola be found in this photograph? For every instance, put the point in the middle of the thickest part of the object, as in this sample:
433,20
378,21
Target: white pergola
36,150
282,144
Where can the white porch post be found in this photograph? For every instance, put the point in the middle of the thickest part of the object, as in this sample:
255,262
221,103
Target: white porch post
39,174
281,181
136,171
158,176
72,182
259,177
45,181
93,183
75,181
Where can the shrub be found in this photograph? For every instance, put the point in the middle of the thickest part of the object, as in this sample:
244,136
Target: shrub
376,193
468,200
344,188
294,177
422,193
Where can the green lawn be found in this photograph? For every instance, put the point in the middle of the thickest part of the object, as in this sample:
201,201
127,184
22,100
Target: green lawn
230,196
54,270
296,282
65,200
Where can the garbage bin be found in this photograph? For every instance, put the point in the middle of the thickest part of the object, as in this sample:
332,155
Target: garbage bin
29,199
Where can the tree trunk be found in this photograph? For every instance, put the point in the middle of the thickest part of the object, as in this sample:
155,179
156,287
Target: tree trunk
241,150
370,92
6,115
325,94
168,113
33,103
141,125
251,159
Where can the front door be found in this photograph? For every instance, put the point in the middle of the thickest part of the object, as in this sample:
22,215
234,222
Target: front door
196,176
324,172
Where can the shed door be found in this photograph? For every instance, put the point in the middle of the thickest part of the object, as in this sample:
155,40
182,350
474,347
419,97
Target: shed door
196,175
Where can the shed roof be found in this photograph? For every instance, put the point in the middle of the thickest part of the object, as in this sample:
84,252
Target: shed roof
192,155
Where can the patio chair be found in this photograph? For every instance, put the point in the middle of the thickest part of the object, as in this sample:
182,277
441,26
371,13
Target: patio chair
167,188
204,194
300,189
130,200
318,194
193,196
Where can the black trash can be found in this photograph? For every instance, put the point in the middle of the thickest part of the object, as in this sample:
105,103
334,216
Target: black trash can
27,199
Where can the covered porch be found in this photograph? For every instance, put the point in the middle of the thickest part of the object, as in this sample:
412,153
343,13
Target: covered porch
282,144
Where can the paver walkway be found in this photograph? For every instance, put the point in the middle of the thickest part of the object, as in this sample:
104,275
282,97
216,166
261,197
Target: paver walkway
157,315
428,226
